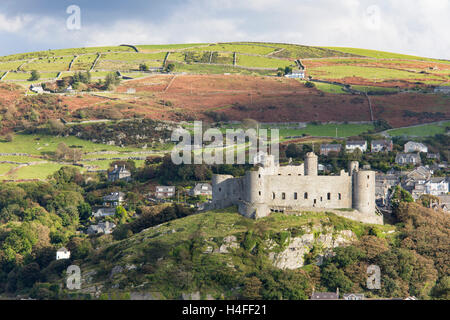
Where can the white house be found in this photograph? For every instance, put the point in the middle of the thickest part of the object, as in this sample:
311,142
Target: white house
204,189
296,74
62,253
436,186
413,146
353,145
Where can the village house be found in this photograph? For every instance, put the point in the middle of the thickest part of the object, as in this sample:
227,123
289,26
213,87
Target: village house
413,146
119,173
353,296
325,295
104,212
437,186
381,145
420,174
203,189
103,227
296,74
327,148
408,158
62,253
113,199
434,156
353,145
36,88
383,183
163,192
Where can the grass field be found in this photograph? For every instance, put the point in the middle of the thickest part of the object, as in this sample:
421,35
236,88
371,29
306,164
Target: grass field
51,64
329,88
168,47
261,62
40,144
84,62
27,75
420,131
242,48
382,54
328,130
371,73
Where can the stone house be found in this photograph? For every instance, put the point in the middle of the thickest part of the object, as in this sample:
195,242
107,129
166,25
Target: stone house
408,158
103,227
204,189
434,156
353,145
381,145
412,146
119,173
114,199
384,182
327,148
104,212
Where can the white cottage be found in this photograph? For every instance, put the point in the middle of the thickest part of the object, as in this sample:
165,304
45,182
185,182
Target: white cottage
62,253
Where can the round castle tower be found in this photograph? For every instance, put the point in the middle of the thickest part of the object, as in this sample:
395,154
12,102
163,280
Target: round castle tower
364,191
254,188
311,164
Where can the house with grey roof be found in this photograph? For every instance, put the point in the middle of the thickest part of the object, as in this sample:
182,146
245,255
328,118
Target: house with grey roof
104,212
408,158
412,146
353,296
103,227
204,189
437,186
325,295
114,199
381,145
119,173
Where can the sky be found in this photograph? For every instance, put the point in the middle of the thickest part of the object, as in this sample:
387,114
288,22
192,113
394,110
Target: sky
417,27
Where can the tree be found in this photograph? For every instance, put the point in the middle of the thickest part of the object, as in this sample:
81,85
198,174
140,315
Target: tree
121,215
170,68
143,67
35,75
309,84
112,79
252,289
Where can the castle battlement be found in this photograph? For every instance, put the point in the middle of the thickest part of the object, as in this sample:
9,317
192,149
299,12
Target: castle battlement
274,188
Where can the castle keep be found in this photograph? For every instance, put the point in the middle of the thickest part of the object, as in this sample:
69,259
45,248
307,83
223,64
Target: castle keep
272,188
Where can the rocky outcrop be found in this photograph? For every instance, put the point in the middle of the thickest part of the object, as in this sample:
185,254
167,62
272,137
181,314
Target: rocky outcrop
293,255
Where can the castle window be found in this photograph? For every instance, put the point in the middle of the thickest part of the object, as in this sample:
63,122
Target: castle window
273,195
328,196
283,196
259,176
306,195
321,199
295,195
259,192
220,189
289,174
368,177
339,196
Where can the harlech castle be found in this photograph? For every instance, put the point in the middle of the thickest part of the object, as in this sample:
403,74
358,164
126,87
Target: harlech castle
273,188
